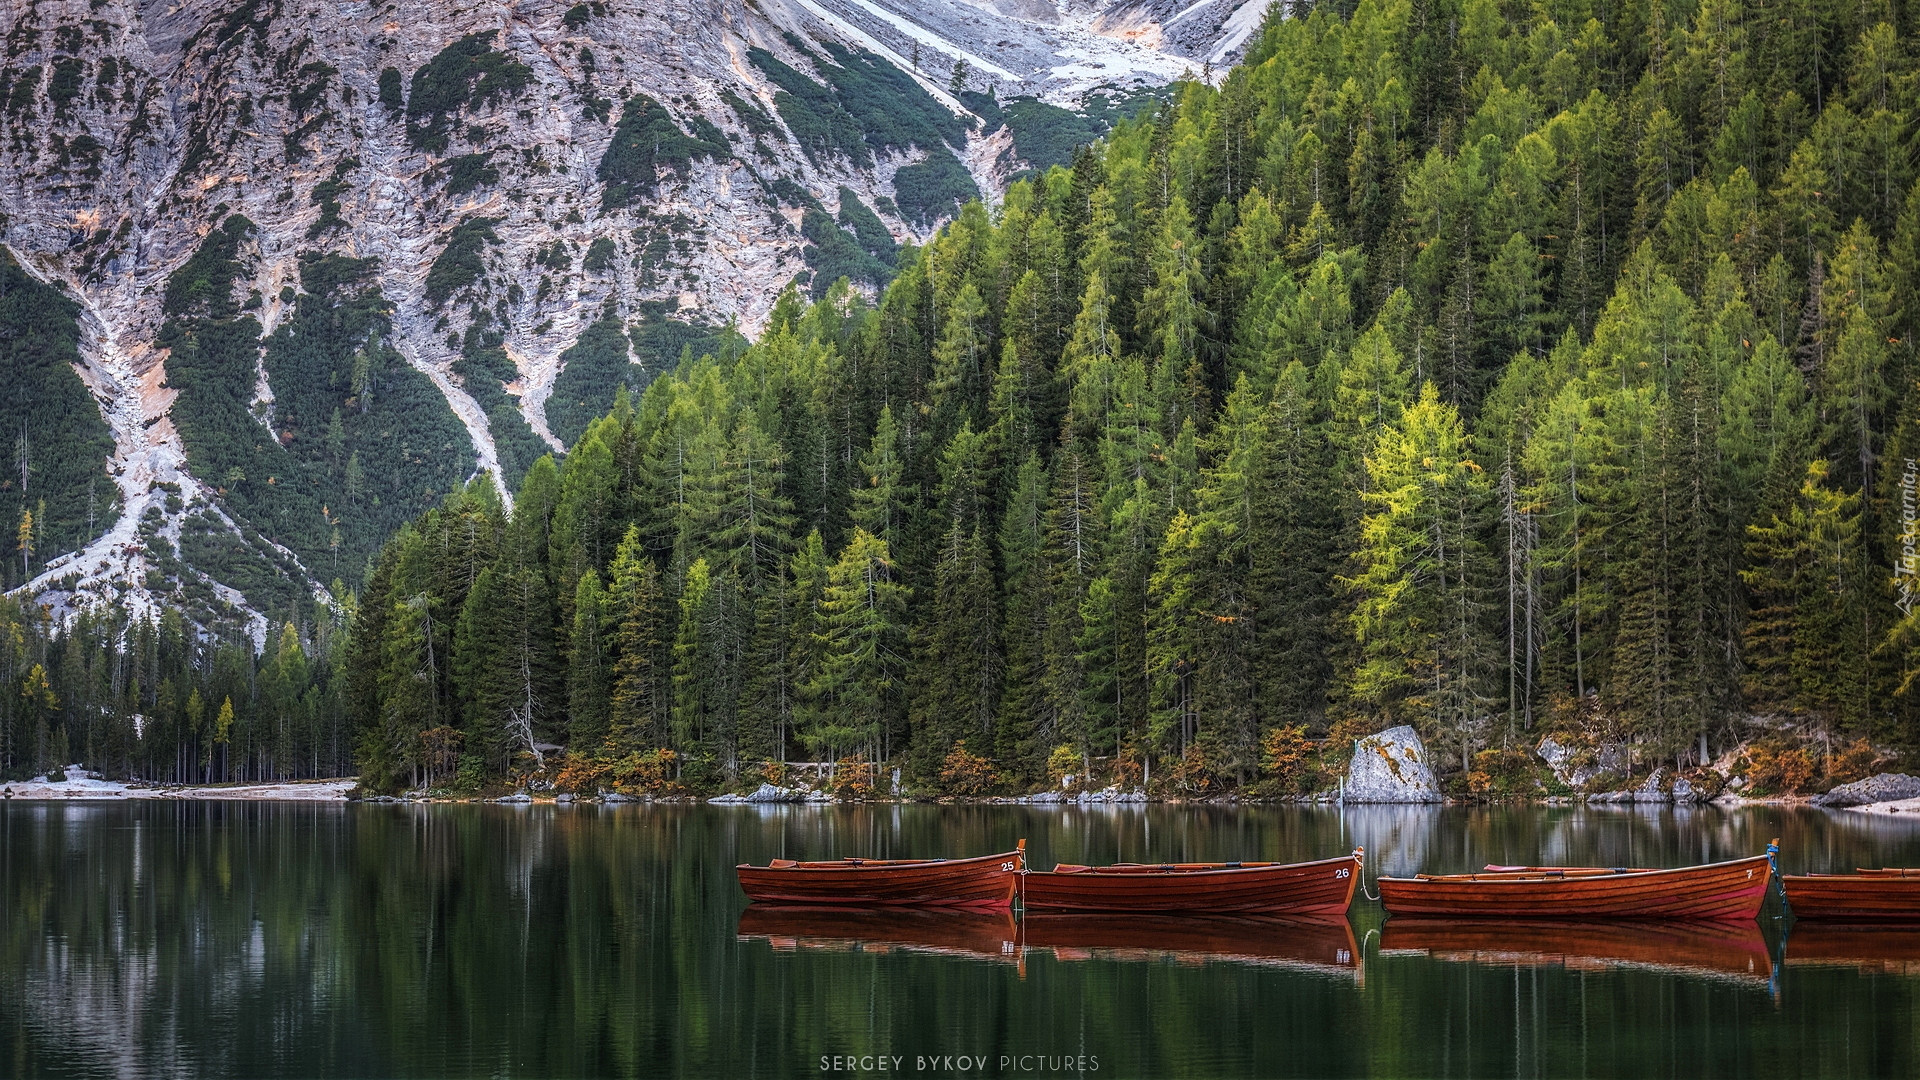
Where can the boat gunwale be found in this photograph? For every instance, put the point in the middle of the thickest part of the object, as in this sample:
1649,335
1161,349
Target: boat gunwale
1203,870
1544,875
1891,873
855,863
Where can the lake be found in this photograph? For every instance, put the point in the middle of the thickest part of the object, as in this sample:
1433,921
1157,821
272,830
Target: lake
325,940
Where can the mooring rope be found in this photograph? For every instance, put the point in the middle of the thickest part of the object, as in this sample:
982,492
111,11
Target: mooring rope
1360,867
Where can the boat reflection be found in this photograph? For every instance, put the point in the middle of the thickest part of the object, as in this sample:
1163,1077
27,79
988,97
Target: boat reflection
973,935
1721,950
1874,950
1323,944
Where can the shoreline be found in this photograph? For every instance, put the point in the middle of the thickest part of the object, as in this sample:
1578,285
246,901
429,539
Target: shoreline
89,789
339,789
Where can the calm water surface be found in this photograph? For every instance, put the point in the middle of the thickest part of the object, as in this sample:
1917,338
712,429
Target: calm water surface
261,940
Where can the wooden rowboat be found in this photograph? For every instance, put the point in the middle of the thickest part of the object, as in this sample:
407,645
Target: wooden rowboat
1715,949
1311,888
1862,896
1724,890
986,883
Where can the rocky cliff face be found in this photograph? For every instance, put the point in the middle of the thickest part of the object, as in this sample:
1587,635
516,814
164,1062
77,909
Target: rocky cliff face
518,173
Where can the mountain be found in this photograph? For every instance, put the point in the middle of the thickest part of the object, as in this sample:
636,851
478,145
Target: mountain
313,264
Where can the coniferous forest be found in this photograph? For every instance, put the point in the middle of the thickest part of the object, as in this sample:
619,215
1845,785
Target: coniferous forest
1496,369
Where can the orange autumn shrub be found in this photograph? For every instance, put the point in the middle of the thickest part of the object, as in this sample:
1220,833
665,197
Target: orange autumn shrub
1194,773
645,772
1283,754
853,777
966,773
1778,767
1856,760
582,774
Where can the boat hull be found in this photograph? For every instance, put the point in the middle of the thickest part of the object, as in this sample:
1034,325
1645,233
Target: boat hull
1854,897
1313,888
987,883
1728,890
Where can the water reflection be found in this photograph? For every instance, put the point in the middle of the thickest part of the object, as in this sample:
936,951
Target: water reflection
1323,946
1734,950
966,934
1869,950
267,940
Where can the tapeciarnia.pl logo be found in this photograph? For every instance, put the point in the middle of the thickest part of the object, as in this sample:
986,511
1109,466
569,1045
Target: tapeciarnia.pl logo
1907,571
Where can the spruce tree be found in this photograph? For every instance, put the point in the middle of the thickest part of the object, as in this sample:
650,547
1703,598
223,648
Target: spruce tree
856,693
639,696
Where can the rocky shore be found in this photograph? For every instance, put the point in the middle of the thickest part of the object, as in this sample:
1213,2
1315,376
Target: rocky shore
1389,767
83,785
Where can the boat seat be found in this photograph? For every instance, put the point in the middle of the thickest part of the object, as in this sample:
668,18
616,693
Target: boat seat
782,864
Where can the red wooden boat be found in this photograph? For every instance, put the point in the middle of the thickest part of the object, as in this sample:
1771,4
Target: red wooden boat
1724,890
986,883
1311,888
1726,950
1862,896
954,932
1318,943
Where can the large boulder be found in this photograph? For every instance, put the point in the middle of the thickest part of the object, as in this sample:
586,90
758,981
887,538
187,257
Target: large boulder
1884,787
1567,762
1652,791
1391,767
769,793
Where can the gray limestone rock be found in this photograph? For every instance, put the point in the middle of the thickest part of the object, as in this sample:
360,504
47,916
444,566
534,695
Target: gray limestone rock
1650,790
1882,787
1391,767
1563,759
768,793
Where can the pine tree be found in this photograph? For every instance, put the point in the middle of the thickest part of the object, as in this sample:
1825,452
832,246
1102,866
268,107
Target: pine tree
756,519
586,517
961,360
1172,316
1420,621
708,646
1804,640
880,501
639,696
1027,582
1074,539
1088,365
589,675
855,696
1290,555
957,664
